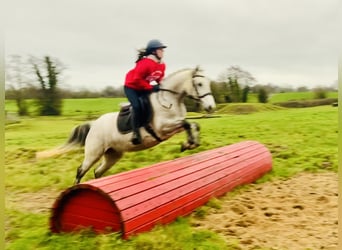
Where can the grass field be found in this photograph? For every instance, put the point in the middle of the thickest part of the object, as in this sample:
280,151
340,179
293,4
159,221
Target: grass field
299,140
296,96
95,106
77,107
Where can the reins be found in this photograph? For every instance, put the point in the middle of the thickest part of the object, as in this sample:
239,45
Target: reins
166,90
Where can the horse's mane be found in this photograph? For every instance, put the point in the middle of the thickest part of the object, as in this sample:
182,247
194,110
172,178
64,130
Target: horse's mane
194,71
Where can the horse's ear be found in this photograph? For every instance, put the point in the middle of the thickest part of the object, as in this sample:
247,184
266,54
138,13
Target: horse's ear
197,69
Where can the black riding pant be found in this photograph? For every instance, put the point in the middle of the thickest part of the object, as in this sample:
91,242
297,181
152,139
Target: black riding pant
133,97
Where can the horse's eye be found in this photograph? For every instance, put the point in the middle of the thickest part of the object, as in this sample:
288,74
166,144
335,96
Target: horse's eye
199,84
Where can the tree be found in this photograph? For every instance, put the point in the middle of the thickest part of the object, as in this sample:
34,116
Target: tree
245,92
234,90
302,89
262,95
219,90
320,93
16,80
49,100
192,105
236,79
111,91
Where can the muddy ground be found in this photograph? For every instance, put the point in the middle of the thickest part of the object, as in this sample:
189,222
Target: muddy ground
295,214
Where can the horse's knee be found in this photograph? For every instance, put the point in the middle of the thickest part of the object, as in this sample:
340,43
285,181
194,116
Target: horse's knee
195,126
193,140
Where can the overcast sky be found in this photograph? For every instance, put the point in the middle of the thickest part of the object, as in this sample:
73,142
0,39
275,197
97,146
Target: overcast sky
283,42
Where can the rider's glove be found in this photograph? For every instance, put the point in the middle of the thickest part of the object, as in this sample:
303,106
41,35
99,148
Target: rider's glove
155,88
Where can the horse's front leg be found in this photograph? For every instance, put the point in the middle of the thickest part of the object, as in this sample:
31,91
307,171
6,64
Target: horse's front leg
193,135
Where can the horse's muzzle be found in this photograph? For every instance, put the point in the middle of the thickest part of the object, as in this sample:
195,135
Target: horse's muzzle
209,109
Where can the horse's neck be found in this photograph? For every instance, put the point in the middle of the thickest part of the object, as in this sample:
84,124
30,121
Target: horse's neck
168,106
178,82
168,101
172,102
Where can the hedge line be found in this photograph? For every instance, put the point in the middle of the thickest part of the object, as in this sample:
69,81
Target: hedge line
307,103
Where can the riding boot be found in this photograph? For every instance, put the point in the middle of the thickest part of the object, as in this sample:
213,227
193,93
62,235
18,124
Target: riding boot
136,139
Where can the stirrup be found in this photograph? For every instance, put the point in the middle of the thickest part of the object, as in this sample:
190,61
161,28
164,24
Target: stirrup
136,139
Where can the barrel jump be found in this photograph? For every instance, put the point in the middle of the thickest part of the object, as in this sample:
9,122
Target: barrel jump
135,201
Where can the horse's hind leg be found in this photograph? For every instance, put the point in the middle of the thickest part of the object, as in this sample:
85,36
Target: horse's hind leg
88,162
110,158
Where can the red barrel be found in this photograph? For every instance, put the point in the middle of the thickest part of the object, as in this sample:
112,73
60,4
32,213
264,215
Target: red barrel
135,201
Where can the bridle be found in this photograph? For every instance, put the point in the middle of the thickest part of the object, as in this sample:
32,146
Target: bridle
197,98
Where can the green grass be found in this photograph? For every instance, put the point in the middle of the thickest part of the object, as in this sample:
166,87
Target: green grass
87,107
92,106
296,96
299,140
177,235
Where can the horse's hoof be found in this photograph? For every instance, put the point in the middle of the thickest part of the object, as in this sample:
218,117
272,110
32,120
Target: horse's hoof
184,147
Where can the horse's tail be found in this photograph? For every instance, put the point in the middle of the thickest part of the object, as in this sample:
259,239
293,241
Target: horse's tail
76,138
79,135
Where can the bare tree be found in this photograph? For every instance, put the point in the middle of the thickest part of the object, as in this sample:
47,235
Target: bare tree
235,73
17,80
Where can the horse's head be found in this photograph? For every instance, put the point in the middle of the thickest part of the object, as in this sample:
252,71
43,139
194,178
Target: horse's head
200,90
192,83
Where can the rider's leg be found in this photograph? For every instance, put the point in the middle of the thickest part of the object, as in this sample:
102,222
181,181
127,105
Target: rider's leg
133,97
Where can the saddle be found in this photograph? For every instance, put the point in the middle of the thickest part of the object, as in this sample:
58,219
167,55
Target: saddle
124,121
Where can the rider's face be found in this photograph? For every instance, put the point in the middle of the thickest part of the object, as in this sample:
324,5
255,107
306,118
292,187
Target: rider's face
160,53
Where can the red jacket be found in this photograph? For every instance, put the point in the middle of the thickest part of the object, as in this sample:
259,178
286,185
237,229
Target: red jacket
146,70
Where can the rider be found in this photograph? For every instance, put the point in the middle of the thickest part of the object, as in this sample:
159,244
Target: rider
144,78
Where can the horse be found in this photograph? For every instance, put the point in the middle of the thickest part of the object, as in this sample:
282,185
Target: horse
101,138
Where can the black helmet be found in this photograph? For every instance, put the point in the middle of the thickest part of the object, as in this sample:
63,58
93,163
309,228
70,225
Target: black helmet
154,44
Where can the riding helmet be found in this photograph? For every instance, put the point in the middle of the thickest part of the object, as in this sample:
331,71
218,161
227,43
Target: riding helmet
154,44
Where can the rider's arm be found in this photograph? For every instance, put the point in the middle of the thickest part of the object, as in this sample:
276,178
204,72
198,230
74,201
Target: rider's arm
141,71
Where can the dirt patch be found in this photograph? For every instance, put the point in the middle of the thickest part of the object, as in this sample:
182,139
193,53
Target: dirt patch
298,213
38,202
